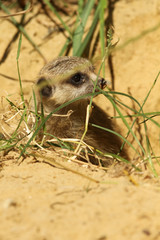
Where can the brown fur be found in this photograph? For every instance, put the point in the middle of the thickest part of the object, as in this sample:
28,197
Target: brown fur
57,83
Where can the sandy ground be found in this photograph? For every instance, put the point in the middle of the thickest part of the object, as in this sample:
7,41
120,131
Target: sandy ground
41,202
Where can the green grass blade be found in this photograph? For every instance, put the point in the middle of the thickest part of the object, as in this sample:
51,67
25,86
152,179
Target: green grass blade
124,121
148,144
144,115
138,113
36,109
79,32
61,143
65,46
117,134
19,47
19,124
19,76
80,6
103,6
83,45
155,81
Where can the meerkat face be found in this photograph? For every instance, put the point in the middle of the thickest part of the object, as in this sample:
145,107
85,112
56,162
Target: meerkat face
67,78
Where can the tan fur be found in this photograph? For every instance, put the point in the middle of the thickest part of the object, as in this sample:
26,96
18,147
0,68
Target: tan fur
57,85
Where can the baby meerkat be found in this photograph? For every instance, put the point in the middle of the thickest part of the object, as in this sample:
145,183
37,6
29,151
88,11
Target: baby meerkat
63,80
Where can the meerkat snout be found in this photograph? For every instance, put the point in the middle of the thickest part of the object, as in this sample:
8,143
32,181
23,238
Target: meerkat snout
102,83
67,78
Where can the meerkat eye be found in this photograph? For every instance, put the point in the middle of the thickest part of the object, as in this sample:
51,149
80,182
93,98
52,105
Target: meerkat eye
44,88
77,79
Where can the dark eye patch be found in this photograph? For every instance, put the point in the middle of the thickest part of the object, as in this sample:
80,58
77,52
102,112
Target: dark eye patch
44,88
78,79
46,91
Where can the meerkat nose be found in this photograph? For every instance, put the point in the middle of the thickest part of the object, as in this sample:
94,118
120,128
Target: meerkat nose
102,83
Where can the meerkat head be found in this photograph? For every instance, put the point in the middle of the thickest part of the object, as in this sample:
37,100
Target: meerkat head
66,78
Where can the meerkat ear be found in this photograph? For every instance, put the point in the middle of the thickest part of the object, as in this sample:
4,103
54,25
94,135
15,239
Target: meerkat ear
45,89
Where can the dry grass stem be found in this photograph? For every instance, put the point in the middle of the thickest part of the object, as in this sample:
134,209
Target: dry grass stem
19,13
